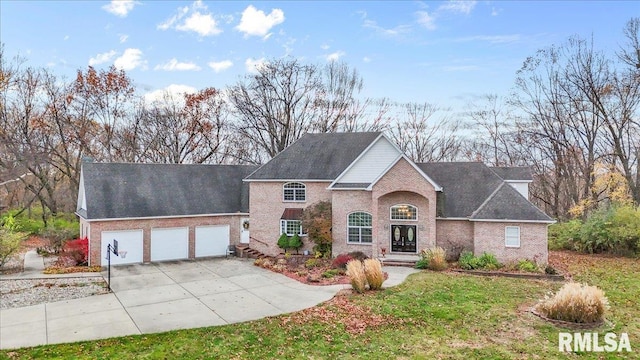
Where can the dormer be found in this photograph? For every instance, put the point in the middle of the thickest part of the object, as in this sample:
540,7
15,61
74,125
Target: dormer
519,177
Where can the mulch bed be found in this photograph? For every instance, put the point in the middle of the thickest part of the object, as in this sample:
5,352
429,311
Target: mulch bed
294,267
517,275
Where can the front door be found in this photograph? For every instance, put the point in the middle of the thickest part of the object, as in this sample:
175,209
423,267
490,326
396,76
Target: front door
244,231
403,238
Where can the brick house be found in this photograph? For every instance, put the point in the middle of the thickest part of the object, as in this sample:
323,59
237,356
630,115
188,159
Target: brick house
381,202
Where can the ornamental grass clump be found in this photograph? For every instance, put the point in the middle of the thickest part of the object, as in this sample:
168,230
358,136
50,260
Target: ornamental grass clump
355,271
574,302
373,273
434,259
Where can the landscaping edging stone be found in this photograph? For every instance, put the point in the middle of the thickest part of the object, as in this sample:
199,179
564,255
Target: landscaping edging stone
571,325
512,275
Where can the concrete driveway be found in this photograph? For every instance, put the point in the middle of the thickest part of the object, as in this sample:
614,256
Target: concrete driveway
150,298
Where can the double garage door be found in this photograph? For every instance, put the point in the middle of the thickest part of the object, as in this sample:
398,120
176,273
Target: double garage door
168,243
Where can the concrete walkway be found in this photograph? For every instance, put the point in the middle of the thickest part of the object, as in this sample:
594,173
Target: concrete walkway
158,297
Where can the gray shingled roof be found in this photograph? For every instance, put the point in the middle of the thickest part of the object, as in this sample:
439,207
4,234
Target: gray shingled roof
117,190
508,204
513,172
316,157
466,185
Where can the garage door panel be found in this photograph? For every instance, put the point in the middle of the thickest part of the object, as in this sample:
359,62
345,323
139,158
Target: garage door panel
212,240
169,244
128,240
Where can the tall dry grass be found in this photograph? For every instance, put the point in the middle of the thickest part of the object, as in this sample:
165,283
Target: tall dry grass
436,258
355,271
574,302
373,273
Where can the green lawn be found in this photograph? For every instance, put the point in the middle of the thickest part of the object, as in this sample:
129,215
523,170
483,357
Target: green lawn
432,315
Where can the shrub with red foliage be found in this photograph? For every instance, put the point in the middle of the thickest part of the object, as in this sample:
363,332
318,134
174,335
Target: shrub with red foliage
340,262
77,250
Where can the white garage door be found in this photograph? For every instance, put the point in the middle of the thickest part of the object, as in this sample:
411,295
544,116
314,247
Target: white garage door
128,240
212,240
169,244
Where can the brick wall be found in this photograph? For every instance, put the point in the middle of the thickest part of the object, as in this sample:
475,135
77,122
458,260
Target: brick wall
402,184
454,236
96,228
490,237
266,207
345,202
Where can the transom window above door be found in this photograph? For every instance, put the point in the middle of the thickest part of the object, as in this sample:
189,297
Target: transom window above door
404,212
294,191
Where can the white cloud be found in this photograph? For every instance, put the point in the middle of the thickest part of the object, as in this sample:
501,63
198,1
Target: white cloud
192,19
426,20
494,11
252,65
335,56
458,6
130,59
324,47
366,59
123,38
102,58
392,32
220,65
255,22
173,91
175,65
120,7
66,37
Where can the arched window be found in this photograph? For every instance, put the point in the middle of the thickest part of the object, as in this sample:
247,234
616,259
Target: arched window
359,228
404,212
294,191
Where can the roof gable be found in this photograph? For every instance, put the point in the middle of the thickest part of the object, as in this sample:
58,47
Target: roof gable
465,185
413,165
315,157
117,190
506,203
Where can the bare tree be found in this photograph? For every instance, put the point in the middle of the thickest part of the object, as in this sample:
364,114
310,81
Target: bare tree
425,136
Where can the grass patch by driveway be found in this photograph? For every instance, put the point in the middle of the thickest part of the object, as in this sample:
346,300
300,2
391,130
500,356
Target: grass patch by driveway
432,315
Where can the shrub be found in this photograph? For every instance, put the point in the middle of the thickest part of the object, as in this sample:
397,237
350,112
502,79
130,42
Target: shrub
56,238
358,255
575,303
373,273
467,261
78,250
340,262
485,261
295,242
311,263
283,242
488,261
563,236
435,259
422,263
355,271
527,265
330,273
9,244
317,221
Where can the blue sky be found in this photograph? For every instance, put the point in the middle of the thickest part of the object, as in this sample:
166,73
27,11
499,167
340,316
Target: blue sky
443,52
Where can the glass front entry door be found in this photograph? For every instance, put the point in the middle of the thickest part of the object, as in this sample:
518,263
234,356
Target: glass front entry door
403,238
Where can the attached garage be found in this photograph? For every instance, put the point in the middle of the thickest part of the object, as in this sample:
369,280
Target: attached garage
128,240
212,240
169,243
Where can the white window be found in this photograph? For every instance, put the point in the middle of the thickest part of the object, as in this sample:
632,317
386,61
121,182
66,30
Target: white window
291,227
359,227
512,236
404,212
294,192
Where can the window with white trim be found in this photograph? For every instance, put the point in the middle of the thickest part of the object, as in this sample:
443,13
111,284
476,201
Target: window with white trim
404,212
294,191
359,228
291,227
512,236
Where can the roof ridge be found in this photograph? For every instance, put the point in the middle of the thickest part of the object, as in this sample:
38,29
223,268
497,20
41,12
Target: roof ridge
484,203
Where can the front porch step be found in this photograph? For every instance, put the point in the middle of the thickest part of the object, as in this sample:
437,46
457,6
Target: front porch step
244,251
399,260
